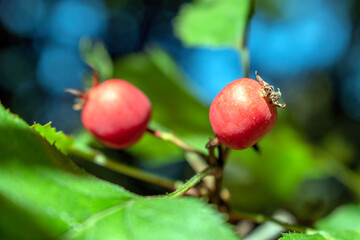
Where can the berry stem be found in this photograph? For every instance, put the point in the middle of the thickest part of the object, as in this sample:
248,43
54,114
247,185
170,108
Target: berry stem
343,173
95,78
220,163
100,159
191,182
171,137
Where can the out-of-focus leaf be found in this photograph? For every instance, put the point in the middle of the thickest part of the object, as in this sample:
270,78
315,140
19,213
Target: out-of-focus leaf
156,150
272,175
174,108
213,23
46,196
198,141
341,235
343,218
157,75
300,236
61,141
96,55
156,218
339,148
321,235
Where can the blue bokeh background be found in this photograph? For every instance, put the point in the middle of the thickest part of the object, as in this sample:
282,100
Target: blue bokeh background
310,49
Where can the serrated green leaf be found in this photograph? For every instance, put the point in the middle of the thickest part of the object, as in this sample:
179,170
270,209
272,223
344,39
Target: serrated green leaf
300,236
343,218
157,219
322,235
46,196
213,23
340,235
157,75
61,141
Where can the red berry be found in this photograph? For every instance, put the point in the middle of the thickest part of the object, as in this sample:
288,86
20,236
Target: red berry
116,113
244,112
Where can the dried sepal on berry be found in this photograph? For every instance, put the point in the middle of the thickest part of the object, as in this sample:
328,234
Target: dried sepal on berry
79,101
270,93
81,96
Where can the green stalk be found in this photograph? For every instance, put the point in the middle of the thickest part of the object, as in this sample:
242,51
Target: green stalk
191,183
243,50
101,160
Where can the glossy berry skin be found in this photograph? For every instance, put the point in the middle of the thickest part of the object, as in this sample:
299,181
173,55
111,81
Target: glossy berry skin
240,115
116,113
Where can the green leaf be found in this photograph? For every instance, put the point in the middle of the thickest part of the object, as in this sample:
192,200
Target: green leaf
341,235
96,55
44,195
213,23
61,141
343,218
158,76
321,235
300,236
156,219
285,159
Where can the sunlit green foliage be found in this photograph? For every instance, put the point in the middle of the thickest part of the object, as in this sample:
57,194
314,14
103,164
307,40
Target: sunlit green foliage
46,195
213,23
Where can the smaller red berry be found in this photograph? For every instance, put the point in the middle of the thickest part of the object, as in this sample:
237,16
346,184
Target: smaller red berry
244,112
115,112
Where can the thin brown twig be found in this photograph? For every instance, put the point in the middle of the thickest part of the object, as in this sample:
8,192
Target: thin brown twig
216,196
101,160
171,137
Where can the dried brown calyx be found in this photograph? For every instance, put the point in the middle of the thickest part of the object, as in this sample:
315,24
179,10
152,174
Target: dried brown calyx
270,93
81,96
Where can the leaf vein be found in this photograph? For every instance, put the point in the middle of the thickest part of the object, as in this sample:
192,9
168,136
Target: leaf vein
93,219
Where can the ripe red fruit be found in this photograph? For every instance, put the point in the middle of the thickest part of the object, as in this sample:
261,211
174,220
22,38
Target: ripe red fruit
244,112
116,113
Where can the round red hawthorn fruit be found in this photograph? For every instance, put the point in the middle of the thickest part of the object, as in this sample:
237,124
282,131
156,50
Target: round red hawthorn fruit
116,113
244,112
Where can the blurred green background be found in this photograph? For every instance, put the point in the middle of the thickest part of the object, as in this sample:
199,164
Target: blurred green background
308,165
